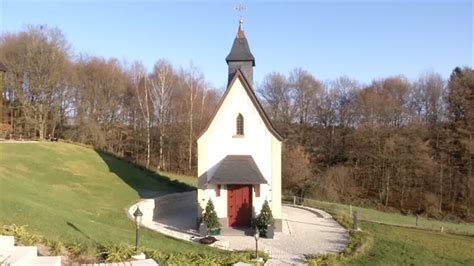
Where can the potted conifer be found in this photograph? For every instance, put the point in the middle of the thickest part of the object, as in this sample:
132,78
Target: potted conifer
265,219
211,220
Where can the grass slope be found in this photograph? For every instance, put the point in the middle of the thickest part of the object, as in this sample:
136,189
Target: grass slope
74,194
408,246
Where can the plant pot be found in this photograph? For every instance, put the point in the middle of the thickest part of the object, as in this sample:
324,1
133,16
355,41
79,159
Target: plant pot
269,232
215,231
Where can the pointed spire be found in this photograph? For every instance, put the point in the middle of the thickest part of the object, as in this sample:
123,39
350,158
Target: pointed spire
240,48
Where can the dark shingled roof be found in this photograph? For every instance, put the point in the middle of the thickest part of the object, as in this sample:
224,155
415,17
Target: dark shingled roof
240,49
237,169
3,68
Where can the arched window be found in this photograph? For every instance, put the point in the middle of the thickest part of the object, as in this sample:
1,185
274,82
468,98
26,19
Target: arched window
240,124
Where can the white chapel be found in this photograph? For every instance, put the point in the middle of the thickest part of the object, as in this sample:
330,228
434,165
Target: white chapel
239,151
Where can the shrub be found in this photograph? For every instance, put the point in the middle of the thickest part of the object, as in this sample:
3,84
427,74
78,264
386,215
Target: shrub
117,253
57,248
210,216
265,218
21,234
192,258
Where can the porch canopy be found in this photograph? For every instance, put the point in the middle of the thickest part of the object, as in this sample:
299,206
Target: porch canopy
237,169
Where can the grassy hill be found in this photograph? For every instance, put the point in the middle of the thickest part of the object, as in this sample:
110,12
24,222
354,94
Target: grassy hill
75,194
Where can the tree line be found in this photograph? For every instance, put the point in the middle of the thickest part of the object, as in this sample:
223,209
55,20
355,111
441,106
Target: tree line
394,143
149,117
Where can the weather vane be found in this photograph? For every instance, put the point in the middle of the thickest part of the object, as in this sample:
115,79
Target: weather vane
240,8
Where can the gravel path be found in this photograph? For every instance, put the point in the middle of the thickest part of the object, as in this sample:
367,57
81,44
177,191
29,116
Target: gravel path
304,232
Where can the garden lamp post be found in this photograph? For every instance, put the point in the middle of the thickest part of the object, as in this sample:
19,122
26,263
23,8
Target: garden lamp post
256,236
138,220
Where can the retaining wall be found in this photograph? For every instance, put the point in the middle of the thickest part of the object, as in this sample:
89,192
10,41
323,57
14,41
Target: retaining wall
173,202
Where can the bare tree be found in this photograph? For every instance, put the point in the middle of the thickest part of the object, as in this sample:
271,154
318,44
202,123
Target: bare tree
304,89
195,87
426,98
37,60
163,82
142,89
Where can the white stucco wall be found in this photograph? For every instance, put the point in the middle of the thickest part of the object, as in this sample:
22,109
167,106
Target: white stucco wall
220,140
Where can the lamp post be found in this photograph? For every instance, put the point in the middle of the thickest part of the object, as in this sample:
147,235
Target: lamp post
138,220
256,236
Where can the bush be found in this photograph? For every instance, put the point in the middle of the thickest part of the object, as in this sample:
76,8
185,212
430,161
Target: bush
57,248
264,219
191,258
117,253
21,234
210,216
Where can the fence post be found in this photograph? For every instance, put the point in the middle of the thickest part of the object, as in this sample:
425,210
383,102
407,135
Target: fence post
355,221
294,200
416,220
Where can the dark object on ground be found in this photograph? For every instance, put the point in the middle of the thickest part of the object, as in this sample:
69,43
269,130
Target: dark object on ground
208,240
54,139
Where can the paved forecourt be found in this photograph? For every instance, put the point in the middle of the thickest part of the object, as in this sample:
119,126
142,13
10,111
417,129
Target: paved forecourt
305,230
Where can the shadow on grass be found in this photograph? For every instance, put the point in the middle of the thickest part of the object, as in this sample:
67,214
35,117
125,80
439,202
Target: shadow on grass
127,171
81,232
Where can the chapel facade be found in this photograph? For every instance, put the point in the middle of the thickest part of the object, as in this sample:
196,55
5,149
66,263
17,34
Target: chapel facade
239,151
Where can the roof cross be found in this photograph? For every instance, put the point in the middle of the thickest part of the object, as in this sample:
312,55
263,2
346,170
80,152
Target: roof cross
240,8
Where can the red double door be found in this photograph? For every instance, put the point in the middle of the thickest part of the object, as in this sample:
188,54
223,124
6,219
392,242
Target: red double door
239,205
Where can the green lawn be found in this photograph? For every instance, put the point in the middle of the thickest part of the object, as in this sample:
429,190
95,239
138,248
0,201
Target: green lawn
72,193
396,245
408,246
394,218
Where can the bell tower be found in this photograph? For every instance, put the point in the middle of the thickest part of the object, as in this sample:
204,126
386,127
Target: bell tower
240,57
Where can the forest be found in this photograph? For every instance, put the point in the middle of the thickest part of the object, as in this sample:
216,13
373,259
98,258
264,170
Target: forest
395,143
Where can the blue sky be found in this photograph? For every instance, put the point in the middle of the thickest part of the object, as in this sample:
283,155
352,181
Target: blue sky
364,40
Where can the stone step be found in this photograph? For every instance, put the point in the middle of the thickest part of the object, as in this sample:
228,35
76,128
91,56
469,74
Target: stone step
146,262
6,243
44,261
18,256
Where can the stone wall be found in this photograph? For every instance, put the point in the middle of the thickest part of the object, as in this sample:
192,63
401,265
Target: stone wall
173,202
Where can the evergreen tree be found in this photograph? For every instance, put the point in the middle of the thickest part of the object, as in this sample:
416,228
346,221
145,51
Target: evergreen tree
265,218
210,216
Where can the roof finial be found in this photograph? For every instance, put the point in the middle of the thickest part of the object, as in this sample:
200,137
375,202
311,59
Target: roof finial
241,8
